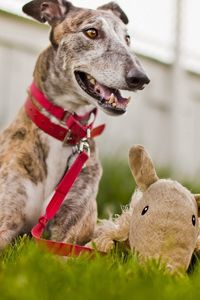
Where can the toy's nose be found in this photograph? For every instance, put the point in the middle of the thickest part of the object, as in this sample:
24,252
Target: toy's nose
136,79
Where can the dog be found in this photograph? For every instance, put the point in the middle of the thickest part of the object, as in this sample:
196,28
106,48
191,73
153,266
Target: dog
88,61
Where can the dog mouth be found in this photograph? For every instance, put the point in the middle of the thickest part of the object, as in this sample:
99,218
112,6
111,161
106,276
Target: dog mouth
109,99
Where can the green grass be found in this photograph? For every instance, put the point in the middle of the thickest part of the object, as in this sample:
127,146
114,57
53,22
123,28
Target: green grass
28,273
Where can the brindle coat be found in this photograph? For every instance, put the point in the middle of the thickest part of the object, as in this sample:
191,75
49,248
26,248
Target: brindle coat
32,162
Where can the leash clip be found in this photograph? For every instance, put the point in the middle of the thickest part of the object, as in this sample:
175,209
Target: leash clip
84,144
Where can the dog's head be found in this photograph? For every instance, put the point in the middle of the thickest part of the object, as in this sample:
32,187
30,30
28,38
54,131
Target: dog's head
92,52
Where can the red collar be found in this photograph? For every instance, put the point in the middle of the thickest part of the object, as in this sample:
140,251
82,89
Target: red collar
72,129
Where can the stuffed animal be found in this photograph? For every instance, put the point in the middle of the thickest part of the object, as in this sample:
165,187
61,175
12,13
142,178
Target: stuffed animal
161,221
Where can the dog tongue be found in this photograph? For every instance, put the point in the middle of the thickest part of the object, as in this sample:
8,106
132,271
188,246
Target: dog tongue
108,94
103,90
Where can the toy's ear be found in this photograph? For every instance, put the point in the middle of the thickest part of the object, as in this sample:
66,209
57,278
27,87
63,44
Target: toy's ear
116,9
142,167
51,11
197,198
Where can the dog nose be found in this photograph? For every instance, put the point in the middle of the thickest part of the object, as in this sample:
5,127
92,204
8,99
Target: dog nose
136,79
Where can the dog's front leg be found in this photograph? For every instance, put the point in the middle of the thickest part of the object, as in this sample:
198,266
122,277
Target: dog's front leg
12,210
20,205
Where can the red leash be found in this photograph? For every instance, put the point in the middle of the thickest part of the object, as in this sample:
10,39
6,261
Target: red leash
59,196
72,132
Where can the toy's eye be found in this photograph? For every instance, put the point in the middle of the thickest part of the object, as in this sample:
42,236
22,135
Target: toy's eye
145,210
92,33
193,220
128,39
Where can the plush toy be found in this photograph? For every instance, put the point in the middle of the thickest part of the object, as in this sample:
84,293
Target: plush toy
161,221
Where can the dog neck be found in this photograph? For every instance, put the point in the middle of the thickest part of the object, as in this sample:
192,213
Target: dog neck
59,89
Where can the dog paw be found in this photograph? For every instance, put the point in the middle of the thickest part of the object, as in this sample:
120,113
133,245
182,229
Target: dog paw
3,245
5,238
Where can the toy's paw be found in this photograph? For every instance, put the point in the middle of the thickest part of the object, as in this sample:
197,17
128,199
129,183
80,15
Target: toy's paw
90,245
102,244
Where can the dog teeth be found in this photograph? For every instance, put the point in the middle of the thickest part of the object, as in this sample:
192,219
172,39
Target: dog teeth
112,99
129,98
93,81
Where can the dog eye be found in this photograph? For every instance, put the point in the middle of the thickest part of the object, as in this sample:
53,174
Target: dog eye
128,39
92,33
145,210
193,220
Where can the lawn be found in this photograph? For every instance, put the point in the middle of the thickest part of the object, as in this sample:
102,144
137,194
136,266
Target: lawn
27,272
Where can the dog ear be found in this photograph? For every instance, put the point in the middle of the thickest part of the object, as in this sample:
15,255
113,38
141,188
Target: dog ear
116,9
51,11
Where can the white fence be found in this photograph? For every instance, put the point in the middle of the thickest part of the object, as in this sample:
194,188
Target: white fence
164,117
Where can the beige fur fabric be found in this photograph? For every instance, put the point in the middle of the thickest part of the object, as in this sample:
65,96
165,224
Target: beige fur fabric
162,221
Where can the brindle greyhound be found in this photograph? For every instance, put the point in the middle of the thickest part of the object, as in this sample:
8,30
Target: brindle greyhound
88,61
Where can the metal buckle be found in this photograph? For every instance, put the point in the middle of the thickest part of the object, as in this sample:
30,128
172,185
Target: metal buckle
88,133
65,116
67,138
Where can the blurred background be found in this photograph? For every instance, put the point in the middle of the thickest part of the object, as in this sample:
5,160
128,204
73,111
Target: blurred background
164,117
